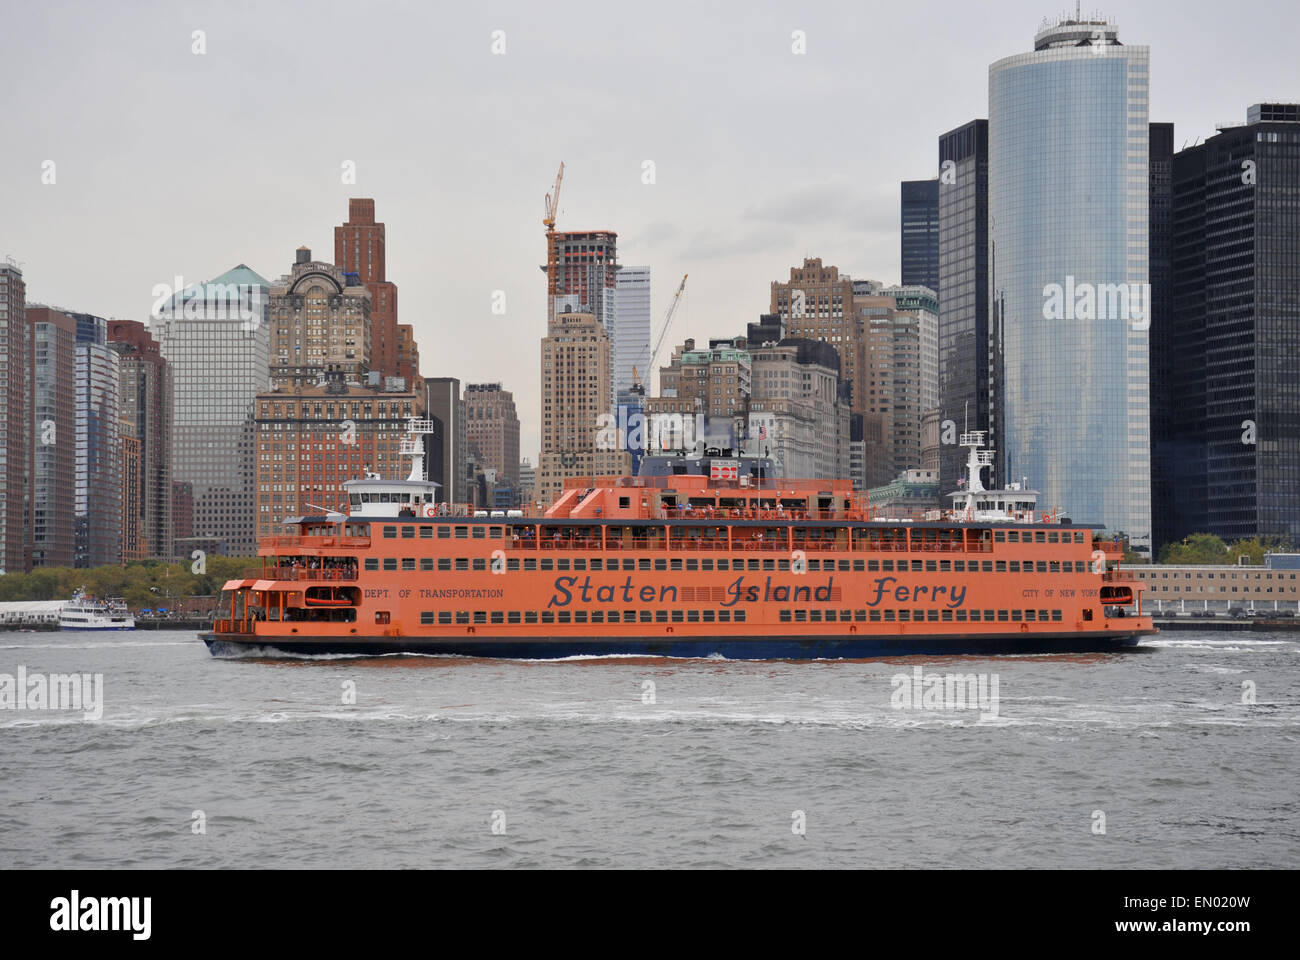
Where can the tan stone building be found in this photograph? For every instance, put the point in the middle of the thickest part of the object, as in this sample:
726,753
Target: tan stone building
817,303
577,371
492,429
320,325
1278,578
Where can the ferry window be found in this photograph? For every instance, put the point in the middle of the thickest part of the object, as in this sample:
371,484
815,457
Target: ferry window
548,564
692,565
661,616
988,566
613,616
498,616
769,564
530,616
624,502
815,616
677,616
1041,566
844,565
408,533
874,615
785,616
905,615
1053,537
708,616
931,566
1015,615
740,616
959,566
496,533
643,564
598,616
597,563
390,533
462,563
975,616
961,616
512,564
644,616
426,533
1056,616
724,616
859,565
1001,566
674,564
480,533
1042,614
934,614
1040,536
693,616
512,616
889,616
372,563
988,615
462,533
1030,615
580,564
945,566
1003,616
1014,566
753,564
426,617
999,536
1078,536
390,563
565,617
1013,536
530,563
801,616
480,563
381,616
548,616
706,564
561,564
916,566
783,565
1054,566
444,563
628,564
873,564
444,616
444,533
580,616
408,563
480,616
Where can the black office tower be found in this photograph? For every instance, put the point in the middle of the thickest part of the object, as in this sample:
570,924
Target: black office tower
963,204
1235,352
1160,243
920,219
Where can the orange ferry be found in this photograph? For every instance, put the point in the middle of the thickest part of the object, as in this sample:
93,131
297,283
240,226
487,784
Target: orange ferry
713,558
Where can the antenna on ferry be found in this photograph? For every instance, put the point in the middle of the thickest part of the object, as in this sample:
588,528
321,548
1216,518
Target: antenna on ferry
413,447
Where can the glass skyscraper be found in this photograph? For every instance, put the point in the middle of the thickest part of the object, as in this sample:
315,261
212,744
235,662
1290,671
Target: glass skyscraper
1069,280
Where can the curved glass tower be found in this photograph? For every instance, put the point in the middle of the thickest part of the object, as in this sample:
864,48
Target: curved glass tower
1069,293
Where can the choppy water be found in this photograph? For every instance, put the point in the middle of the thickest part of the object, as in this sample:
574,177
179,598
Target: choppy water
579,771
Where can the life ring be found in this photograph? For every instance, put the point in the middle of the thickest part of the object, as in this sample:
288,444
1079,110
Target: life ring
430,509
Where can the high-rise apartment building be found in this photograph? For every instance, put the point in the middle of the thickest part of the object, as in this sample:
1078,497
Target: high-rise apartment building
816,303
311,440
15,450
320,325
359,250
920,233
716,379
53,429
492,429
1234,423
1069,273
216,339
963,292
632,331
582,277
577,373
147,405
97,490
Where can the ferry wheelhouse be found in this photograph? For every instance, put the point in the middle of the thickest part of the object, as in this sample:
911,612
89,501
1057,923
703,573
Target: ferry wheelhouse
719,559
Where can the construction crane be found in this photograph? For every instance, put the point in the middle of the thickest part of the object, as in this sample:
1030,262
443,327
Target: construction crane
659,344
553,201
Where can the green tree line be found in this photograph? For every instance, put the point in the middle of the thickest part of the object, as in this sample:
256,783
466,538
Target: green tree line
142,584
1207,548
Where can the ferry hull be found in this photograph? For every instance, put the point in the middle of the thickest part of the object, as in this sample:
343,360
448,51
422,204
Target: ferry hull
732,648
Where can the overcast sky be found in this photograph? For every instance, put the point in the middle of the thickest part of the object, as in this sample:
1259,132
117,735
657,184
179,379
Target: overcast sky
170,163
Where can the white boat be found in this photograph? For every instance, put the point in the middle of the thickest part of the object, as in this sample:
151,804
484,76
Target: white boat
87,613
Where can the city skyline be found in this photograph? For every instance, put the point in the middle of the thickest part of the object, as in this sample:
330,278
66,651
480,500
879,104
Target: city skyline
734,202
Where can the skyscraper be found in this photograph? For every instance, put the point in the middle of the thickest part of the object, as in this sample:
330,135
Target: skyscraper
360,250
1069,277
581,277
817,303
54,436
14,421
963,292
97,491
920,233
447,444
1234,420
216,339
147,404
632,330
